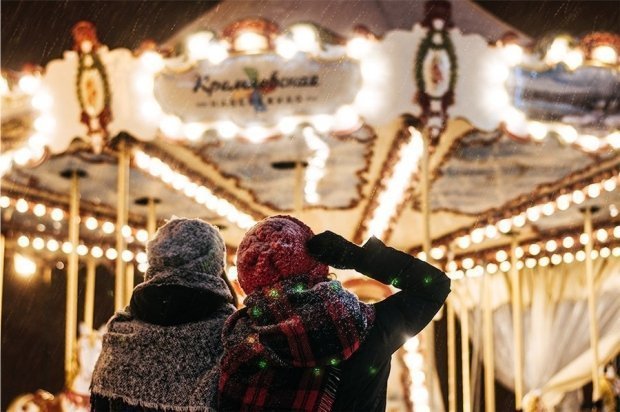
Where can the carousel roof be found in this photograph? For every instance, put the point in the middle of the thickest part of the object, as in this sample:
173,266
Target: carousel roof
485,175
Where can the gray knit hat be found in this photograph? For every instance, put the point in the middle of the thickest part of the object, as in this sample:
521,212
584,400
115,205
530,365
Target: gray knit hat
187,252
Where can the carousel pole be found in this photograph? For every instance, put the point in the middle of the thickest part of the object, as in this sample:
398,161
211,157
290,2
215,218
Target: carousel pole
591,304
299,188
129,274
465,372
516,324
488,350
72,273
151,217
121,221
2,246
89,299
429,331
451,355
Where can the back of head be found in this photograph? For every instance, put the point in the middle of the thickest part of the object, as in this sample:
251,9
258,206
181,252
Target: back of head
275,249
192,244
185,280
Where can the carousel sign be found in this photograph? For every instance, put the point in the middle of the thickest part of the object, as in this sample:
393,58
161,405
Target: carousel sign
258,89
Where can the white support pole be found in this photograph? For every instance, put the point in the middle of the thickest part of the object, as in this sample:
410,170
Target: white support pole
72,276
465,371
429,331
89,299
450,315
121,221
488,350
517,324
592,304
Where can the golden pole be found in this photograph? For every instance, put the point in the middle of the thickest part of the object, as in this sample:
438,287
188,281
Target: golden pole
516,324
465,359
451,355
151,218
89,299
488,350
591,304
121,221
299,188
72,276
429,331
2,245
129,283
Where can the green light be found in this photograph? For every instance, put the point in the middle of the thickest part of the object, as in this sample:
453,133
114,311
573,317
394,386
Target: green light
372,370
316,371
334,361
256,312
427,280
395,282
274,293
298,288
262,363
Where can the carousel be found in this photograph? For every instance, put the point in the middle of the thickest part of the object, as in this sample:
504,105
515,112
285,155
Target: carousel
431,125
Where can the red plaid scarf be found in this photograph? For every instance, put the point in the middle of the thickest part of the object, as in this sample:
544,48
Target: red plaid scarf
282,351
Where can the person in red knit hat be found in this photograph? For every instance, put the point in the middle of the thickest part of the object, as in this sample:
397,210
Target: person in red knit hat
304,343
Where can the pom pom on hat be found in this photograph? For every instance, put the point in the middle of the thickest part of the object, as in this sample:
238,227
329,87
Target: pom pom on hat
275,249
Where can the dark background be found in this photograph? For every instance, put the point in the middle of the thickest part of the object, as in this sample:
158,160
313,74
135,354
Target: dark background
35,32
33,311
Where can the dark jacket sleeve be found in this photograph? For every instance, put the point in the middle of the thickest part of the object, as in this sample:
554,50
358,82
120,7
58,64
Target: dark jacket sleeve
423,290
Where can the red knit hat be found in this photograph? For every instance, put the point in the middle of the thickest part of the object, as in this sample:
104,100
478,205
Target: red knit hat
275,249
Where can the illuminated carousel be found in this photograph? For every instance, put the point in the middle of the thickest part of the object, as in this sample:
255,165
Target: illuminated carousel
432,126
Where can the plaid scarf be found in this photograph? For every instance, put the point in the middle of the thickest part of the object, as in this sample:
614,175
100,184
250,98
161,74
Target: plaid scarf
282,351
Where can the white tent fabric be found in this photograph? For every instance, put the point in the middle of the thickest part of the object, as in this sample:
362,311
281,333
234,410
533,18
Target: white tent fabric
556,340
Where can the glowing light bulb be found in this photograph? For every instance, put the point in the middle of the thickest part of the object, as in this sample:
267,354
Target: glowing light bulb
197,45
605,54
53,245
21,206
107,227
57,214
38,243
23,241
91,223
96,252
29,83
551,245
568,242
534,249
501,255
24,266
563,202
537,130
111,254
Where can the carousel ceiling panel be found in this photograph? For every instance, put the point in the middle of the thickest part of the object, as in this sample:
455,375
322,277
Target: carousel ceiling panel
588,97
605,208
99,187
267,170
486,170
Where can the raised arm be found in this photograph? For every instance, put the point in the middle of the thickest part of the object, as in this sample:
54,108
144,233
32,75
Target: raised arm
424,288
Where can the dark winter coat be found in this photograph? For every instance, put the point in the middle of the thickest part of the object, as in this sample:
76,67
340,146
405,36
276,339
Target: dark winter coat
423,290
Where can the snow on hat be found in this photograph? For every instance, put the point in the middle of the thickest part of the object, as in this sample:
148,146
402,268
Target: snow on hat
275,249
187,252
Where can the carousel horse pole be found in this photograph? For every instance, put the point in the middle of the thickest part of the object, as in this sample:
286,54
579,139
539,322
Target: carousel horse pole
89,299
596,392
517,323
487,347
121,220
72,268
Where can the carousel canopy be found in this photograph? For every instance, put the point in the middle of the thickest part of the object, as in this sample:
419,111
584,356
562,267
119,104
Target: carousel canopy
249,112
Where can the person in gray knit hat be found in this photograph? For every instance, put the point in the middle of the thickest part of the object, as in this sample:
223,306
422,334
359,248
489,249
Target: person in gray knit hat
160,352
